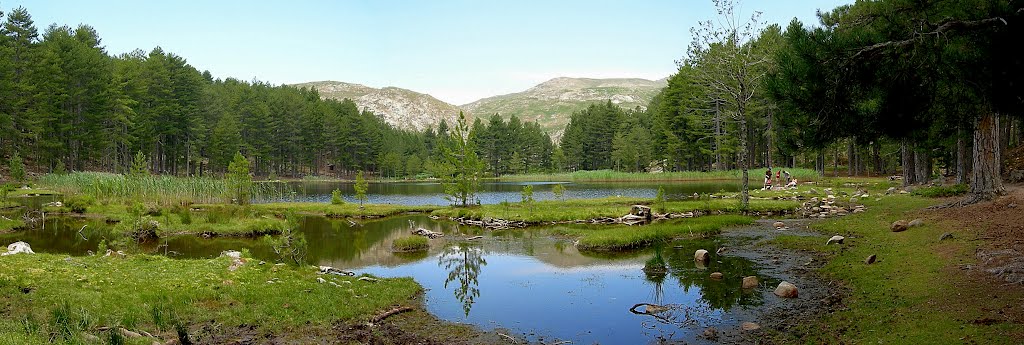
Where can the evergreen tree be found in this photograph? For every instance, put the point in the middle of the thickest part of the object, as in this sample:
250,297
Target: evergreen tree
239,181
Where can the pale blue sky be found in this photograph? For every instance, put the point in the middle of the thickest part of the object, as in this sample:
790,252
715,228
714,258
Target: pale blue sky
457,51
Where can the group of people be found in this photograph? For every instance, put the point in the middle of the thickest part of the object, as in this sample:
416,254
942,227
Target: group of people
779,176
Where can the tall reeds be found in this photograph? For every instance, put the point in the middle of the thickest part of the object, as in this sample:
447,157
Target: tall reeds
161,189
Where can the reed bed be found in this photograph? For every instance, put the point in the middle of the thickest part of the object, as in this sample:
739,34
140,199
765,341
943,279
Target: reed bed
161,189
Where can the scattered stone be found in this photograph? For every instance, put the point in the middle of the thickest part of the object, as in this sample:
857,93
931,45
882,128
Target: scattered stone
234,254
779,225
946,236
335,284
899,225
427,233
129,334
749,326
332,270
701,255
270,282
750,282
368,279
870,259
854,199
320,280
17,248
710,333
716,276
786,290
835,239
891,190
720,251
89,338
117,254
262,262
915,222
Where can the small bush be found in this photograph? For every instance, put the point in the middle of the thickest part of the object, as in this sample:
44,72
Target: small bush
336,197
410,244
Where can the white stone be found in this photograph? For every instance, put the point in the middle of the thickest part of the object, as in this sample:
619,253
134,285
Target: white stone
18,247
786,290
701,255
836,239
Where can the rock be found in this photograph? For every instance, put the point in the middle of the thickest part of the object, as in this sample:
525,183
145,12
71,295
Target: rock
716,276
779,225
129,334
710,333
749,326
332,270
786,290
17,248
89,338
234,254
858,210
870,259
946,236
368,279
320,280
891,190
816,209
750,282
835,239
854,199
701,255
915,222
899,225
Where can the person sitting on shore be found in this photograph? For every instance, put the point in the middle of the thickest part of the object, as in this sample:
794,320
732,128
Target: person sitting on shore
767,180
791,184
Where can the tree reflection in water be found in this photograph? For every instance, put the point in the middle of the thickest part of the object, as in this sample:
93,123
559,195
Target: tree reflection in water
463,262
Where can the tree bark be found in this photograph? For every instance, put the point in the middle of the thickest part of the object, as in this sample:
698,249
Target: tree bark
961,157
907,155
850,162
986,184
923,166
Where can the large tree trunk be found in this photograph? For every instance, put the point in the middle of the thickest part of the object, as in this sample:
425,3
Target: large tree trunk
986,183
923,166
819,162
961,157
850,162
745,191
907,155
876,156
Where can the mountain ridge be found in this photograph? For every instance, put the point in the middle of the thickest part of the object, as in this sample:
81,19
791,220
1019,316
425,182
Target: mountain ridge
550,103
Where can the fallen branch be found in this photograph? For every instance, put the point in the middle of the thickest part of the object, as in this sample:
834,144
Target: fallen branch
389,313
509,338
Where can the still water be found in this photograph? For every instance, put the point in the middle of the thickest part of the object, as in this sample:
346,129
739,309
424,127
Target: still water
526,282
432,193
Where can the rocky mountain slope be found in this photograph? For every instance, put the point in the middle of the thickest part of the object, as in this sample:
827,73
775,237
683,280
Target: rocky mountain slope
551,103
401,108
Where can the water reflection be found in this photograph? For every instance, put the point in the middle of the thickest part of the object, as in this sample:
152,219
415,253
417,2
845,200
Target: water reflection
432,193
463,263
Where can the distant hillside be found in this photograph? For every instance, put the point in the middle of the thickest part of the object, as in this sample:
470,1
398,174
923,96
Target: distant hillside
401,108
551,103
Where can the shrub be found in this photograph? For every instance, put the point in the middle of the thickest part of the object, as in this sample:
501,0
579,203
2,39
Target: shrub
410,244
79,203
942,191
336,197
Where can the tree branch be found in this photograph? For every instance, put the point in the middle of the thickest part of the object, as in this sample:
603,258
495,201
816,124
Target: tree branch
948,25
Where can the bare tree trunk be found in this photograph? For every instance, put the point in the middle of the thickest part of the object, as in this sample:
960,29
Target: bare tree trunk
986,184
745,191
961,157
923,166
819,163
876,156
907,154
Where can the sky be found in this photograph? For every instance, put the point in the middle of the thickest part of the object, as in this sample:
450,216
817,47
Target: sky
456,50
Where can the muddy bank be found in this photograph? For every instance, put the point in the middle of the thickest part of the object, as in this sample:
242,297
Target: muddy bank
816,295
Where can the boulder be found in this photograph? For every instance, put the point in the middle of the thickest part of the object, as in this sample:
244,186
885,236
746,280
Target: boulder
786,290
320,280
701,255
870,259
899,225
835,239
234,254
18,247
915,222
129,334
716,276
749,326
710,333
779,225
891,190
750,282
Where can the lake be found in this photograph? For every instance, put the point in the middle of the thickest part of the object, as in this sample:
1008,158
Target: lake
526,282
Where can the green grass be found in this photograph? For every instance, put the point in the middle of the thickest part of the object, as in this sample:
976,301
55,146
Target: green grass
212,220
547,211
48,294
909,295
161,189
942,191
755,176
10,223
341,211
31,191
410,244
622,237
731,205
